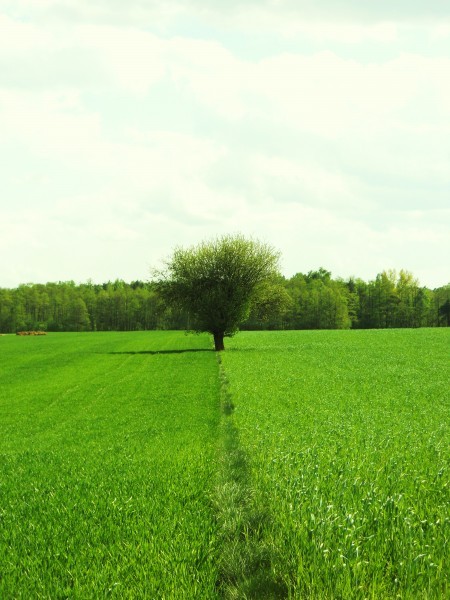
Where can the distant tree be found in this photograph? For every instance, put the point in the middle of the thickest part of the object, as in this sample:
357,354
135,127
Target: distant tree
422,302
312,301
78,316
353,302
407,288
385,300
271,305
217,282
322,275
6,311
317,302
444,312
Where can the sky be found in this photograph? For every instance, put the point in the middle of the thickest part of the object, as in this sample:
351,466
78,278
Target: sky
130,128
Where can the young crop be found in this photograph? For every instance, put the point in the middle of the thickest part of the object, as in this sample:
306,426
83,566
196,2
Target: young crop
107,451
300,464
346,438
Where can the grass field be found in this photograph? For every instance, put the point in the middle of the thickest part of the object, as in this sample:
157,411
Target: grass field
298,465
346,437
107,458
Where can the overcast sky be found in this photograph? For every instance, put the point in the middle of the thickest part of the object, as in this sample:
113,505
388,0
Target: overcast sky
128,128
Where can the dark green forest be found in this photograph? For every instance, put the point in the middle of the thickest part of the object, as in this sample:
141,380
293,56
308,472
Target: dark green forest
313,301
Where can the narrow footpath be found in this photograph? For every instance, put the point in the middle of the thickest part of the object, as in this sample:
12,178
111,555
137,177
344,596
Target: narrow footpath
244,569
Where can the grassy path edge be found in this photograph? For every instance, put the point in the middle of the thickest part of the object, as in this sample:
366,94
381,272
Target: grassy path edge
244,566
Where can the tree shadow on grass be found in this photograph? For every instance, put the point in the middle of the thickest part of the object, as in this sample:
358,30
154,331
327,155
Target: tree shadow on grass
153,352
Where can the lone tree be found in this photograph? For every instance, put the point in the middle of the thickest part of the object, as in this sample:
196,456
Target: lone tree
217,282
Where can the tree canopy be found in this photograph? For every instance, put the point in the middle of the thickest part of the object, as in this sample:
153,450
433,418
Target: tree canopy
303,301
217,282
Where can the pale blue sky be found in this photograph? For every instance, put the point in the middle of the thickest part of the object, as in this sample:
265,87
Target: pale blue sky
129,128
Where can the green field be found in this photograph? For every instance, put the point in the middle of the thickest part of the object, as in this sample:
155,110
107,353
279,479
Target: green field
347,437
107,458
299,465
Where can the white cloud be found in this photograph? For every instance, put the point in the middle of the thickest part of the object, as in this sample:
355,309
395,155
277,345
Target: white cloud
288,24
305,182
172,153
321,93
50,122
212,74
20,37
133,56
329,95
441,31
348,33
120,142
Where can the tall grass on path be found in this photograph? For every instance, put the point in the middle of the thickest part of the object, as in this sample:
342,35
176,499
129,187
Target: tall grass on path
107,449
242,561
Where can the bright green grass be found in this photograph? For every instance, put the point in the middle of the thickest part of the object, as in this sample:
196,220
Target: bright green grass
328,479
346,442
107,461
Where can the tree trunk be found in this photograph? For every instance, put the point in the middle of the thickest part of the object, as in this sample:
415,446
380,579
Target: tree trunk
218,342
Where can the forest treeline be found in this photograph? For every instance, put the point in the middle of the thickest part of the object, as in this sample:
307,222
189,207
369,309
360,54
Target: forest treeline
311,301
